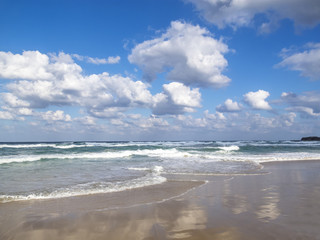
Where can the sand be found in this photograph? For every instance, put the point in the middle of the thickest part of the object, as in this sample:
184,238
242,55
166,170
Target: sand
281,202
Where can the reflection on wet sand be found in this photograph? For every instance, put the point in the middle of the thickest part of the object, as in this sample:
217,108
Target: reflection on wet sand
235,202
161,222
192,218
269,209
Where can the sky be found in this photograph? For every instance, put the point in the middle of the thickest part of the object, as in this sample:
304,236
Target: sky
148,70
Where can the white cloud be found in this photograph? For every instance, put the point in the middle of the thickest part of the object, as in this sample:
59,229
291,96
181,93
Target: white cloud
13,101
106,112
57,80
182,95
307,103
30,65
113,60
102,95
118,122
229,106
307,62
306,111
15,113
97,61
238,13
176,99
24,111
257,100
87,121
151,122
58,115
234,125
6,115
189,53
288,119
216,116
209,121
258,123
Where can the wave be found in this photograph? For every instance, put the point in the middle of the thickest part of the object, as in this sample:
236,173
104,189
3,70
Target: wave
32,158
150,179
159,153
26,145
230,148
43,145
221,153
171,153
155,169
63,145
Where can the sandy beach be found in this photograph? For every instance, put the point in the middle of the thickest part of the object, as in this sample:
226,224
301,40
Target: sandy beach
282,201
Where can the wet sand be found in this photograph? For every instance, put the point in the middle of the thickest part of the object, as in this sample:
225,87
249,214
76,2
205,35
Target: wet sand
283,202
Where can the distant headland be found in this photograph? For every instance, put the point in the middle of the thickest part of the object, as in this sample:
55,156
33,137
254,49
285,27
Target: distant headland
312,138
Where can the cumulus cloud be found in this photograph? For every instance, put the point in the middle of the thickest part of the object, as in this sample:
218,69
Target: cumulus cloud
24,111
29,65
5,115
42,80
307,62
151,122
188,53
307,103
16,113
58,115
242,13
62,83
257,100
176,98
13,101
229,106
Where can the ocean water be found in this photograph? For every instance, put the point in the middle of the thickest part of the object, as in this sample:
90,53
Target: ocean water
30,171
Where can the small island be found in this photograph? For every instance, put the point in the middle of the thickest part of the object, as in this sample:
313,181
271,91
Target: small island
313,138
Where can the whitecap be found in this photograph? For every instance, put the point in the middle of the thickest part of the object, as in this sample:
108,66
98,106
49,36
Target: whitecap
230,148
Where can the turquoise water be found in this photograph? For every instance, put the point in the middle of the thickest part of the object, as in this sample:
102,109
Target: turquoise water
63,169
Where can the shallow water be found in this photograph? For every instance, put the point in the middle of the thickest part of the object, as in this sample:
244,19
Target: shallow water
54,170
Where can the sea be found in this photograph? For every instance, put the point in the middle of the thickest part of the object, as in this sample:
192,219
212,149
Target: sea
49,170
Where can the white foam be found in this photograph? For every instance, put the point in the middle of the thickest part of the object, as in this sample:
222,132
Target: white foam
230,148
225,153
26,145
160,153
91,188
221,145
69,146
139,169
19,159
42,145
155,169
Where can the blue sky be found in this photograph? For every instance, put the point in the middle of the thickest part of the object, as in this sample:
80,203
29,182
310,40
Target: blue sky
159,70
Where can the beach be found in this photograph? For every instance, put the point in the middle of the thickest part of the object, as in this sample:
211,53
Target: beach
160,120
281,201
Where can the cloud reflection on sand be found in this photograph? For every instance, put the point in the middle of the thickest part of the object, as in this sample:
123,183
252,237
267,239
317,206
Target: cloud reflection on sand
269,209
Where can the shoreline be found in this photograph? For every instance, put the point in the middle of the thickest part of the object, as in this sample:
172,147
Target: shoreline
284,204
